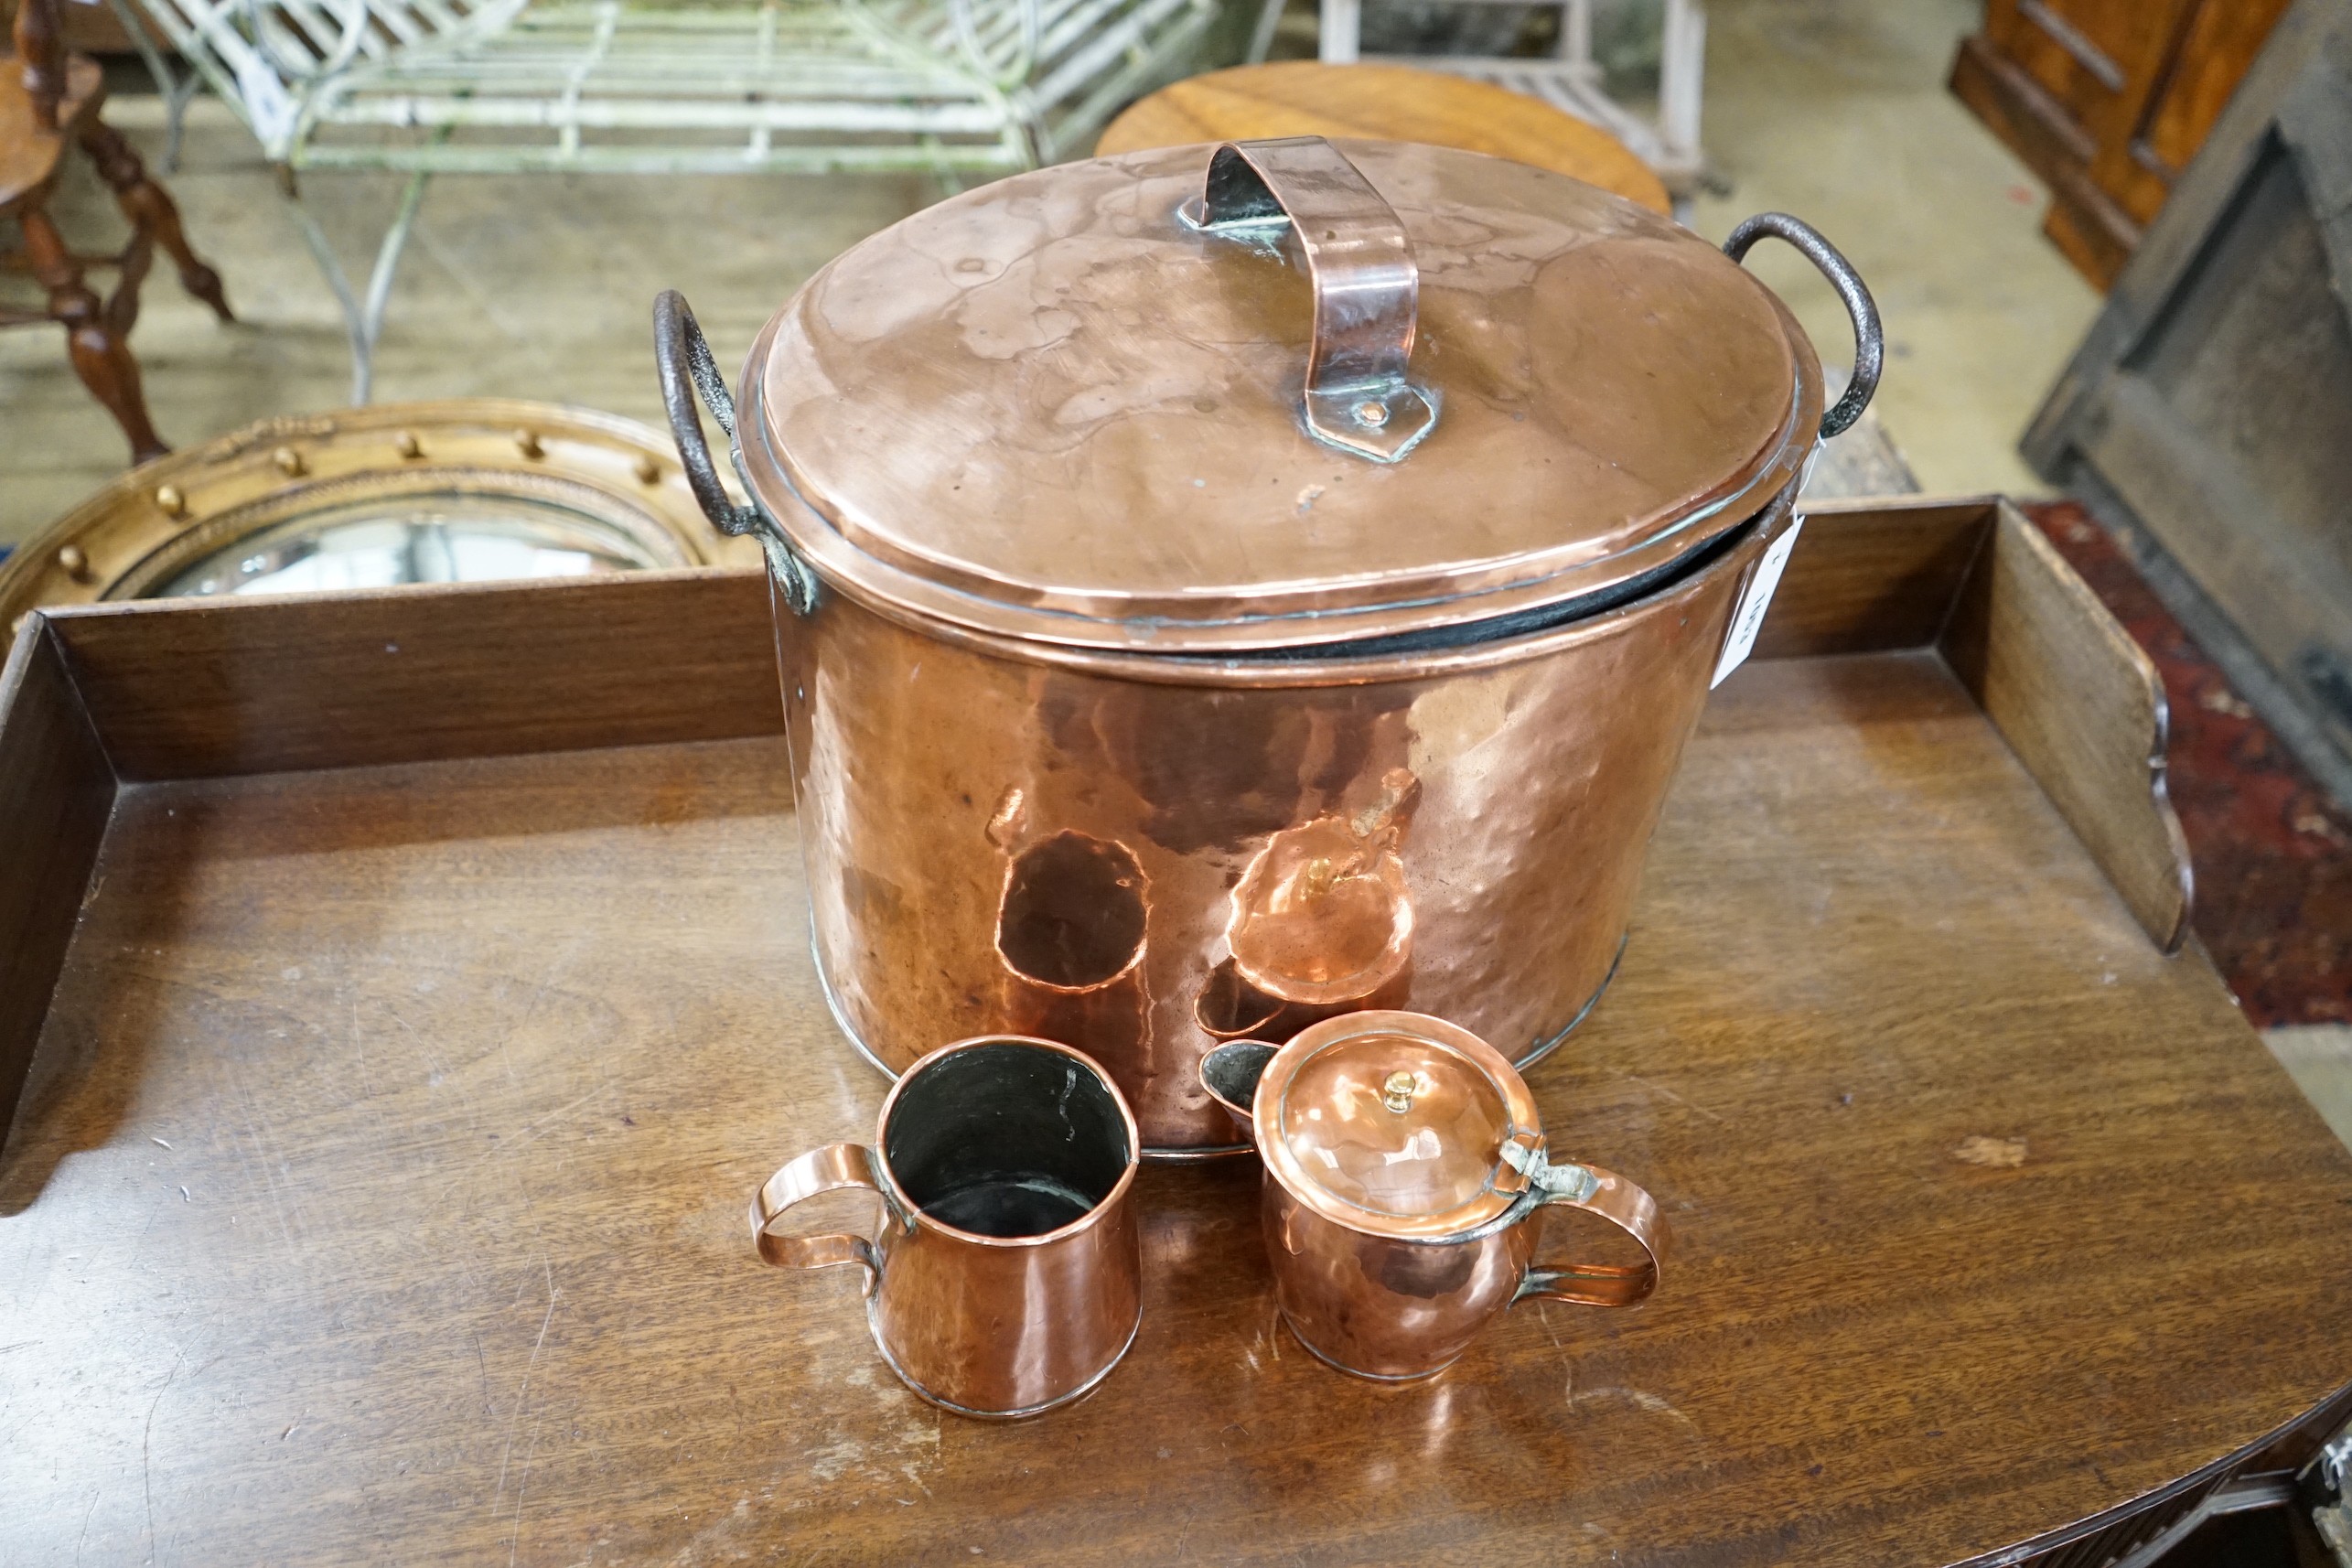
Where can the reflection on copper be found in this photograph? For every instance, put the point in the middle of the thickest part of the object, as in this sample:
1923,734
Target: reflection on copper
1006,1275
1321,916
1231,1008
1071,931
1010,824
1073,915
1107,1022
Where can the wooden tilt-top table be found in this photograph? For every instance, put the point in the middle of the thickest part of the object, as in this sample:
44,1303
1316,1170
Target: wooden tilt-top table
1392,103
431,988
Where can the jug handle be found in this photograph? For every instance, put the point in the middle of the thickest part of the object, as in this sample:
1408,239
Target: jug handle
828,1169
1359,265
1622,1204
681,356
1869,339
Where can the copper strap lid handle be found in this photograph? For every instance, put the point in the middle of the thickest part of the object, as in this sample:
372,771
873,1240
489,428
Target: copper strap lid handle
1612,1198
828,1169
1367,286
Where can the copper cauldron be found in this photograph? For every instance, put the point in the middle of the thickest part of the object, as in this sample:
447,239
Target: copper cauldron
1407,1179
1219,588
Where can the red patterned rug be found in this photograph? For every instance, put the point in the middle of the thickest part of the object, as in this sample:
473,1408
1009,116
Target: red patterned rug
2272,851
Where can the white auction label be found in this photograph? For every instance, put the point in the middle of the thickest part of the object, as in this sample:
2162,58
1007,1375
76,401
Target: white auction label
1748,619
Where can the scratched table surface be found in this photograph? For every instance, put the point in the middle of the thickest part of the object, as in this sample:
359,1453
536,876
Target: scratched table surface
377,1197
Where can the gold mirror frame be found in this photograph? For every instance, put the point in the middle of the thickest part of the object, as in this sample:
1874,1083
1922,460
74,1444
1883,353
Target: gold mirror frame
144,529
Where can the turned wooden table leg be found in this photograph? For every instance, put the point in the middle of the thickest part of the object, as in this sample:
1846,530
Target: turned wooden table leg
100,355
150,209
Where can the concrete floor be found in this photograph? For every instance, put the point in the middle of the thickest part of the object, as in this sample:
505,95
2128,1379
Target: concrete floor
1836,110
1833,110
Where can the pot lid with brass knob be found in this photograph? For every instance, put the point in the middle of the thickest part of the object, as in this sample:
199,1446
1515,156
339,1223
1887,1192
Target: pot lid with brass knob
1272,396
1392,1123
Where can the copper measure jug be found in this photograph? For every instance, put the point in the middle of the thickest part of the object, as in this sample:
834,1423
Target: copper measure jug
1217,588
1005,1276
1407,1179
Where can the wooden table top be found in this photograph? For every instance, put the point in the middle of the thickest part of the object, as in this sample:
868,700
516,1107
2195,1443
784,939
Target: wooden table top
1392,103
378,1191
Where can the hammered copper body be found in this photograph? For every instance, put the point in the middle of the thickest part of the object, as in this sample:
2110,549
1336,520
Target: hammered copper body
1407,1184
1218,588
1541,763
976,1299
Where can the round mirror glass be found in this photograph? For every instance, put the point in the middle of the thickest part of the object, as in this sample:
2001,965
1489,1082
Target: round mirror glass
435,538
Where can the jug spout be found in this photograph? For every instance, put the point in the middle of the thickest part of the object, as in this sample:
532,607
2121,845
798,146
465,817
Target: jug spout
1230,1074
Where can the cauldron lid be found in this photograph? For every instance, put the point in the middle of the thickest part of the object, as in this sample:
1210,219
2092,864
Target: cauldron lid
1394,1123
1059,408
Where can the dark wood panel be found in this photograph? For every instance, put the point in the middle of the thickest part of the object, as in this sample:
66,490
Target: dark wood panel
2179,96
467,1067
2088,226
2074,50
2175,246
2107,99
1866,576
2219,47
2017,109
56,791
418,674
198,688
2212,400
2282,592
2082,706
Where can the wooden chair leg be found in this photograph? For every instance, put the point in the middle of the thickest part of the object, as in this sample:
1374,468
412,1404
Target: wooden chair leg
101,358
150,209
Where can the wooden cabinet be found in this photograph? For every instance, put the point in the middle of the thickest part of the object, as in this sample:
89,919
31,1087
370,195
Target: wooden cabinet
2107,100
2208,412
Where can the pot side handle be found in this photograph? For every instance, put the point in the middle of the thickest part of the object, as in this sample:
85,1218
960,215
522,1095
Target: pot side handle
681,357
830,1169
1629,1208
1869,340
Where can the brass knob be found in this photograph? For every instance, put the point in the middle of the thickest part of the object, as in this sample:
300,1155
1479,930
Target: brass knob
649,469
1397,1091
289,461
527,443
171,502
76,564
407,444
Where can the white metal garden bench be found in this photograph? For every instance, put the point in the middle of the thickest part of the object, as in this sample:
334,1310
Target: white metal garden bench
1570,80
426,87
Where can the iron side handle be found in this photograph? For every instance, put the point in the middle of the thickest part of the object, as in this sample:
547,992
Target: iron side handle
1869,340
682,358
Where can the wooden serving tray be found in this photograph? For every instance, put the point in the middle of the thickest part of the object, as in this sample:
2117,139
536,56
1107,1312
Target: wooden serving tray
407,990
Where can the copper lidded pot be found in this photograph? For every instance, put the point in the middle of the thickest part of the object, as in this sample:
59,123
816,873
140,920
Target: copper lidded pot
1222,587
1407,1180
